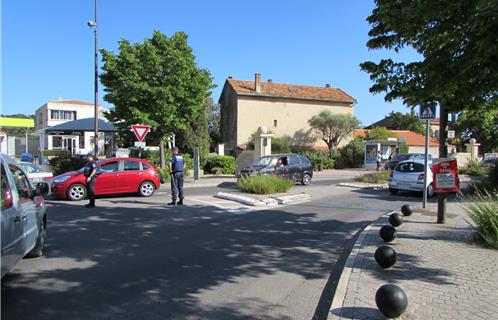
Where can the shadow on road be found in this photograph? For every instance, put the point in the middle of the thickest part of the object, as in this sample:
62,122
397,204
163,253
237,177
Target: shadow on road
161,262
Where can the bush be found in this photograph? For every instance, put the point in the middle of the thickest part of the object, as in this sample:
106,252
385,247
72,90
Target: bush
352,155
474,168
280,145
60,165
329,163
484,213
264,184
56,153
220,165
376,177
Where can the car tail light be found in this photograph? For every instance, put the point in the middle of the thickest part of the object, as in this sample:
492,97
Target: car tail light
47,178
421,176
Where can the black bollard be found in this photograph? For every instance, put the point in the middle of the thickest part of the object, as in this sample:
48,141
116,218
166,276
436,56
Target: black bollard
395,219
385,256
391,300
407,210
388,233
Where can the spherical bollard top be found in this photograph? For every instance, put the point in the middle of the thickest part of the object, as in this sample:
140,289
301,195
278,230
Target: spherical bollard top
391,300
407,210
385,256
263,129
472,141
395,219
387,233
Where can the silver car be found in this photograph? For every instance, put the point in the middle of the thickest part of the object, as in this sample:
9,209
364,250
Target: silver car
23,217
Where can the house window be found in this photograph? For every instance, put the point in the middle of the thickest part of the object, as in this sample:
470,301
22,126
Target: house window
81,143
275,123
62,115
56,142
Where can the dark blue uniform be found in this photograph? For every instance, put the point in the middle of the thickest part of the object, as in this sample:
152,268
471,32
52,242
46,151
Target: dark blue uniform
90,167
177,166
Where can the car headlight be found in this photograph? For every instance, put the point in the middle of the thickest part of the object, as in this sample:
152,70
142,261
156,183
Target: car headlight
61,179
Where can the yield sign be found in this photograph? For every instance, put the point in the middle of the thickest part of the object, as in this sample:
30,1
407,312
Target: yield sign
140,131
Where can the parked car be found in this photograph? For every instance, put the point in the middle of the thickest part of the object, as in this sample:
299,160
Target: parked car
406,156
293,167
489,162
24,216
409,175
35,173
114,176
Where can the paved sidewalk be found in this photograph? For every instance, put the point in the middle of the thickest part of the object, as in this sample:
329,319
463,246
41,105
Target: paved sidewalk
444,275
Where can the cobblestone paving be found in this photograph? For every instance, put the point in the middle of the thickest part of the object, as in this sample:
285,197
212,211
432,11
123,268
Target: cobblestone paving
444,275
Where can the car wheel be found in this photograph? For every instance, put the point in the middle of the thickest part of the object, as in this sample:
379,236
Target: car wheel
306,180
76,192
430,191
40,243
146,189
393,191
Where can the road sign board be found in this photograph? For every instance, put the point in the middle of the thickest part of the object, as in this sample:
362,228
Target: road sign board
427,112
445,176
139,144
140,131
451,134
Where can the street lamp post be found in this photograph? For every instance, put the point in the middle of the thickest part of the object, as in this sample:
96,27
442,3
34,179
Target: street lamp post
93,25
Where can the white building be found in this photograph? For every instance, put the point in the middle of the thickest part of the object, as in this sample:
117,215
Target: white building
60,111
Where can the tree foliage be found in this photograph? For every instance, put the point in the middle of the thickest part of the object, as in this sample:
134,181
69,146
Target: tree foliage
482,126
214,118
333,127
379,133
458,47
158,83
406,121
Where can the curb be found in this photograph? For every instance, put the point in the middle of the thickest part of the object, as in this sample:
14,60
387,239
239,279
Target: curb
293,198
342,285
363,185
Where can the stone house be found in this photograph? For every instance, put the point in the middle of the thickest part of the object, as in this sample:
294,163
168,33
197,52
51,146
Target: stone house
282,108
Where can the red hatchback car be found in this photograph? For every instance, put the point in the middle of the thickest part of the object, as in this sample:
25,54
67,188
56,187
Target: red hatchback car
114,176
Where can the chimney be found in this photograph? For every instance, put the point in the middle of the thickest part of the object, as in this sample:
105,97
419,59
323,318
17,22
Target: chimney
59,98
257,82
230,77
327,85
270,81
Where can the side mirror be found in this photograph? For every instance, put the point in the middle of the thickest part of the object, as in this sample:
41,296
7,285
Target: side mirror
41,189
8,201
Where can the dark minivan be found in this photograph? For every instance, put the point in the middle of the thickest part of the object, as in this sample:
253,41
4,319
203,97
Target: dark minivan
294,167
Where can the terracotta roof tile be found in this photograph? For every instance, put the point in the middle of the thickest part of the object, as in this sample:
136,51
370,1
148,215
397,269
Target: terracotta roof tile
273,89
412,138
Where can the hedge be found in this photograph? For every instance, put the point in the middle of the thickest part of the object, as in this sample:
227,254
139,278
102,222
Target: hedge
220,165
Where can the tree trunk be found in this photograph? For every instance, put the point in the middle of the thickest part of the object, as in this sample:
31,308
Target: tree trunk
161,154
443,153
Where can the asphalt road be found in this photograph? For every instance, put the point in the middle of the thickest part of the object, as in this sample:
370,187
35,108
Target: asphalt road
136,258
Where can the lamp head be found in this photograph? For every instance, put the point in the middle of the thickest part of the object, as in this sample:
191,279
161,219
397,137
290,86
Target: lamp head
91,24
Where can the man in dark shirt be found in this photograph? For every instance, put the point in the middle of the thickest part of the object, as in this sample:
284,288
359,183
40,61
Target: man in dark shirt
91,176
176,166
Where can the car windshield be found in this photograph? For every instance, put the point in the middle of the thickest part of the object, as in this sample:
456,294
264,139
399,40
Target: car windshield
264,161
30,168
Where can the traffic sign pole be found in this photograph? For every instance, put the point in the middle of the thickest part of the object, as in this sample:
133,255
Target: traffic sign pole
426,160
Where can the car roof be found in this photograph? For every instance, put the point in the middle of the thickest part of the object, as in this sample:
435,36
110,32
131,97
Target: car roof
8,159
415,161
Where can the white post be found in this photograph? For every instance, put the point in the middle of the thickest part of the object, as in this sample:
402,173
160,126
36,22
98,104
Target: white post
426,160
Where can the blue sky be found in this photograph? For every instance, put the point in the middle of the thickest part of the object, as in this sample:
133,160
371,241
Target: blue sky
47,47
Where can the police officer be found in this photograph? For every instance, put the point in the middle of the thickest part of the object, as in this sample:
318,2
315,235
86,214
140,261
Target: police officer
90,171
176,166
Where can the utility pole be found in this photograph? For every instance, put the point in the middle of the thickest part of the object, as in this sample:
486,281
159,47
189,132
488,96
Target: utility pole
443,153
93,24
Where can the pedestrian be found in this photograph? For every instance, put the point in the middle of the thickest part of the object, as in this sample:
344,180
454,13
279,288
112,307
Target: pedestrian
176,167
378,159
90,171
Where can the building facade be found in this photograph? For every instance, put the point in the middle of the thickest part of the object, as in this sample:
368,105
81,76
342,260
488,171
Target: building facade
59,111
282,108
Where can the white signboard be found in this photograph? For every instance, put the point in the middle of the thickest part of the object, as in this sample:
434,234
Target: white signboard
139,144
451,134
445,180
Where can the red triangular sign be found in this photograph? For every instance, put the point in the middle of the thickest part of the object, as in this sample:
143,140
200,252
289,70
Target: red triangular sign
140,131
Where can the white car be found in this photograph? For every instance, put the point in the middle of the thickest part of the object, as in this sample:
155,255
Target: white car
409,175
36,174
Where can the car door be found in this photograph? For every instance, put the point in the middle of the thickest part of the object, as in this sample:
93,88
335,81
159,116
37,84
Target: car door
11,228
107,175
294,168
131,176
26,206
282,170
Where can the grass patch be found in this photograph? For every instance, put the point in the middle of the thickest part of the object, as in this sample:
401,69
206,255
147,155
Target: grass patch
264,184
376,177
484,212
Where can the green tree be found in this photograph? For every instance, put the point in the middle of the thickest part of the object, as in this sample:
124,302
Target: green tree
482,126
353,154
406,121
158,83
214,118
379,133
333,127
